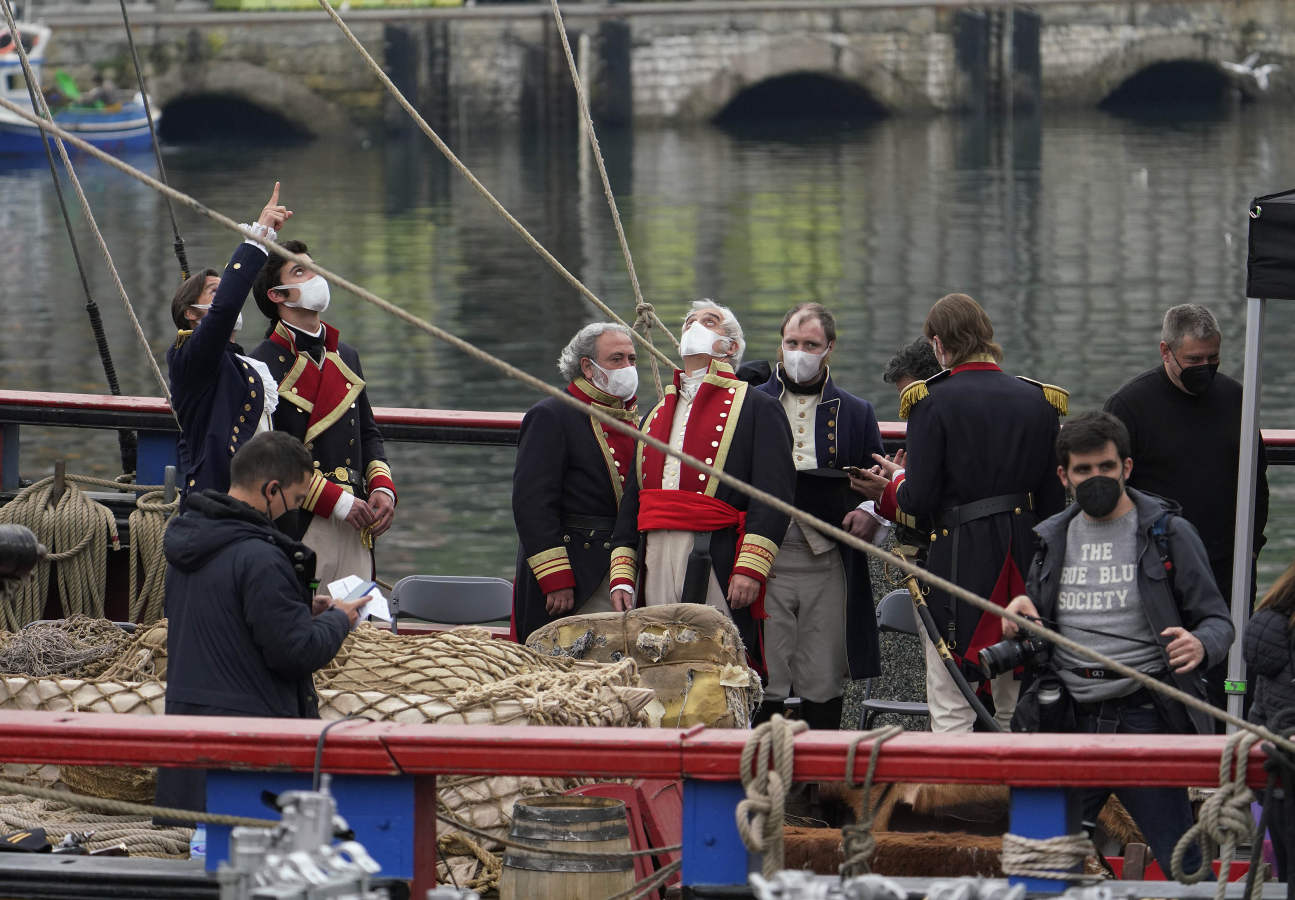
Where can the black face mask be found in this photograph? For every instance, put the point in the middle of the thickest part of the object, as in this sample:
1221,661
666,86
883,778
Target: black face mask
1197,379
266,496
1099,495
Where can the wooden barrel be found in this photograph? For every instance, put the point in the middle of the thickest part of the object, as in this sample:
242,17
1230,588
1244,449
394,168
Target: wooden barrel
594,825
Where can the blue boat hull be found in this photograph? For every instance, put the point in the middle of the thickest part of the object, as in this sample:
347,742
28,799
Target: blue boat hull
116,131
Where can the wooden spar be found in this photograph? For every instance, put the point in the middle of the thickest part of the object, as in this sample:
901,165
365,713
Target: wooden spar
60,482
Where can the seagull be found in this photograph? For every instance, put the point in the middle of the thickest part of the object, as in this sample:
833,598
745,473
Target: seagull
1248,69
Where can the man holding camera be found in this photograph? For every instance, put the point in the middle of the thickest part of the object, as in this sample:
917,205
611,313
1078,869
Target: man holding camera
1121,572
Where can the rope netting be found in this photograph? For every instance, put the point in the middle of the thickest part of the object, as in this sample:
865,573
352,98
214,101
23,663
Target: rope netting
458,677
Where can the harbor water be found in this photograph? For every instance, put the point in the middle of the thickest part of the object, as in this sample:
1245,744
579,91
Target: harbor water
1075,230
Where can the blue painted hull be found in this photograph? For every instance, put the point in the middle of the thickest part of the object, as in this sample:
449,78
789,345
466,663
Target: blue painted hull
116,131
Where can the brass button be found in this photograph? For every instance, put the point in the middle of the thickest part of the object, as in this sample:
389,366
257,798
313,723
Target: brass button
945,532
295,391
252,394
316,464
831,423
192,482
283,359
1017,510
831,435
802,415
242,418
607,545
933,535
586,545
247,407
566,538
235,429
348,460
231,448
250,379
831,449
351,443
238,265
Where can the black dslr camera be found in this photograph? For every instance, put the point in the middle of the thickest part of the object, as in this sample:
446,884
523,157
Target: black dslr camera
1007,655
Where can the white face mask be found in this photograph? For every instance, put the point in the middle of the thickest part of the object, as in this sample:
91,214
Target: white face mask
697,338
802,366
622,383
311,295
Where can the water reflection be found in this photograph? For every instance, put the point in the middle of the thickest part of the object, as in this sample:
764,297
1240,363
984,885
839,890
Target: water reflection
1076,231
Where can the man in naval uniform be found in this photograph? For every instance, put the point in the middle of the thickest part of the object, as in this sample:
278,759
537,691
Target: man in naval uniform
706,542
981,460
568,480
323,402
218,403
822,625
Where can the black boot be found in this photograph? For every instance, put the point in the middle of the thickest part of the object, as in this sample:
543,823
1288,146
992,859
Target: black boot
824,716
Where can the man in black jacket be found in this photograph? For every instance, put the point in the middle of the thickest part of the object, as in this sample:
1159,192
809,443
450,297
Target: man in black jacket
244,633
1184,422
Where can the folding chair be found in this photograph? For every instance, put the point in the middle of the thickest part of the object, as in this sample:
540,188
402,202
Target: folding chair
895,614
451,599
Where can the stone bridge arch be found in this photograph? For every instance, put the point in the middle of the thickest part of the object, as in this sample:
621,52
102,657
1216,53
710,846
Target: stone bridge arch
829,56
272,93
1126,59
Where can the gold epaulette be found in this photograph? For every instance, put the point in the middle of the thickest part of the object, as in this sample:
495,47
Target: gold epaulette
182,335
917,392
1059,397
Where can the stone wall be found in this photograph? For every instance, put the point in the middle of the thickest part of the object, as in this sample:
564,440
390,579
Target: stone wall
477,70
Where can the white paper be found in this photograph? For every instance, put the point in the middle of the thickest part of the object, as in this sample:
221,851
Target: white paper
376,608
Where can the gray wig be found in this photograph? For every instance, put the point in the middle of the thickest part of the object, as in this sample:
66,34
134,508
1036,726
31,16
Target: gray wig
1188,320
731,327
585,344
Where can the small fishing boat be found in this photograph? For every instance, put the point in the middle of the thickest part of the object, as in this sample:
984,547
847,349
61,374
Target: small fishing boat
112,126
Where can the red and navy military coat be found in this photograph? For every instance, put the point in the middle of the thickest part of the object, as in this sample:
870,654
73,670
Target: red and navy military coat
740,431
327,407
975,432
567,486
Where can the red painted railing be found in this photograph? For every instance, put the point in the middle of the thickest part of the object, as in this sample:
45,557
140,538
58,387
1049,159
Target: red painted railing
391,416
384,748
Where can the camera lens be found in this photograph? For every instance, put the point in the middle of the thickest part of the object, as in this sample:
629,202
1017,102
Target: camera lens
1001,657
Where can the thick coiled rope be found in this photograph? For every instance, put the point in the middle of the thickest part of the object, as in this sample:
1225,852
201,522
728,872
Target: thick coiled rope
857,842
766,775
1224,821
1059,858
147,563
76,530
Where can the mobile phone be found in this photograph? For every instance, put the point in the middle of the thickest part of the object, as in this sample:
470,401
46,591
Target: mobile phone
360,591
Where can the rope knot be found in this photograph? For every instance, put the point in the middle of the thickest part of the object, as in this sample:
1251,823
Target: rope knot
766,769
1224,819
644,313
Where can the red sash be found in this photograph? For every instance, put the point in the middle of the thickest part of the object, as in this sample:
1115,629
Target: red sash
662,510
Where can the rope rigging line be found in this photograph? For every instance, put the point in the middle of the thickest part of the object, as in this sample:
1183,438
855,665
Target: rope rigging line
1057,858
481,188
43,110
645,313
857,842
782,506
126,808
180,255
126,440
